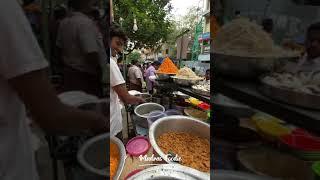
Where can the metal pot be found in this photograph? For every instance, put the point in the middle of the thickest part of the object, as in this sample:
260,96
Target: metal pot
90,156
170,171
142,112
176,123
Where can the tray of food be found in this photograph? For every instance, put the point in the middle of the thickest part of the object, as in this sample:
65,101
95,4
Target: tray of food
186,77
244,50
166,69
301,89
196,113
203,88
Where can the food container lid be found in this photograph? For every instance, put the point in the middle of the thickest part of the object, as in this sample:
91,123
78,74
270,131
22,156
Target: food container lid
138,146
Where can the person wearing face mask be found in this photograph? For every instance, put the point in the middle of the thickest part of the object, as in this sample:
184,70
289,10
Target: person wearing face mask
310,62
81,48
118,90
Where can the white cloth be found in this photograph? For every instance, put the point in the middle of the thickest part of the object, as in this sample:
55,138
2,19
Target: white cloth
19,54
78,35
134,74
116,79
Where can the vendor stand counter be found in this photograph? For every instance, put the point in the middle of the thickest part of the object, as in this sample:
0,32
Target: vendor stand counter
248,93
188,91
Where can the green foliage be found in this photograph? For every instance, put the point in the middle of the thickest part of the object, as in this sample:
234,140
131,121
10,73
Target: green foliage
152,18
134,56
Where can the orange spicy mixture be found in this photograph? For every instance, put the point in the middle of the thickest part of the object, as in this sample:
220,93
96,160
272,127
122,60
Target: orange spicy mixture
168,67
193,150
114,159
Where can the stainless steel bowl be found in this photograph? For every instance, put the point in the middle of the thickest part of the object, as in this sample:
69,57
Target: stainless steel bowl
142,112
247,67
176,124
123,156
170,171
164,76
186,82
91,156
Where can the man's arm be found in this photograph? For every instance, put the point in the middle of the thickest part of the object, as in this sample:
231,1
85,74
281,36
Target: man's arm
36,92
125,97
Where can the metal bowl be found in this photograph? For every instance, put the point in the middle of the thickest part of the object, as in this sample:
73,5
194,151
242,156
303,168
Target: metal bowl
247,67
123,156
91,156
162,76
176,123
170,171
186,82
142,112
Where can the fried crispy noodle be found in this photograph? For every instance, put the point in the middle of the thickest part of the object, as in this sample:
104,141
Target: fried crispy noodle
186,73
241,37
305,82
114,159
193,150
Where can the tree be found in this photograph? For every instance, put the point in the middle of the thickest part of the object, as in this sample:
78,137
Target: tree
133,56
152,17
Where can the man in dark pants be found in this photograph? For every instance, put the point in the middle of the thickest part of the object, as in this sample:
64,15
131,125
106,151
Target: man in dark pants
135,77
81,48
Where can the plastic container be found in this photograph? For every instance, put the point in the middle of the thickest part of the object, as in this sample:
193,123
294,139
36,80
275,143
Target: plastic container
138,146
172,112
155,115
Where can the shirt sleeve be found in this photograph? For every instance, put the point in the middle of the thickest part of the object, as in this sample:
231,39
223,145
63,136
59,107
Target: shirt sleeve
19,49
115,74
138,73
88,38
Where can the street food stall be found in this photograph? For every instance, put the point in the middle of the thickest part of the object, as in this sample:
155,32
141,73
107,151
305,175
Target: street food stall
162,128
267,114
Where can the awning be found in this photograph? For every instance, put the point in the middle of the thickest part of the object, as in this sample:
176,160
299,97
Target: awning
204,57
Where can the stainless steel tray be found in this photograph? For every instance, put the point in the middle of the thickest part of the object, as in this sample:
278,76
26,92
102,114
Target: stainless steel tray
291,97
247,67
203,93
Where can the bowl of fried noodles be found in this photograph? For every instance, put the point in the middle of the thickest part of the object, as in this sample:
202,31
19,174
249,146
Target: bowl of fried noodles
182,140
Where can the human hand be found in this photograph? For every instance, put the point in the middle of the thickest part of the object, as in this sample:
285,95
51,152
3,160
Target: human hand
135,100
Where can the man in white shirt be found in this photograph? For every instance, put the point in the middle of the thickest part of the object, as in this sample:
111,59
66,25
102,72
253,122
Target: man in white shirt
24,85
118,89
311,60
135,77
82,49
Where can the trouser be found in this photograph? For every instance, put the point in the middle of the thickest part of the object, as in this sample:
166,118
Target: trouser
75,80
